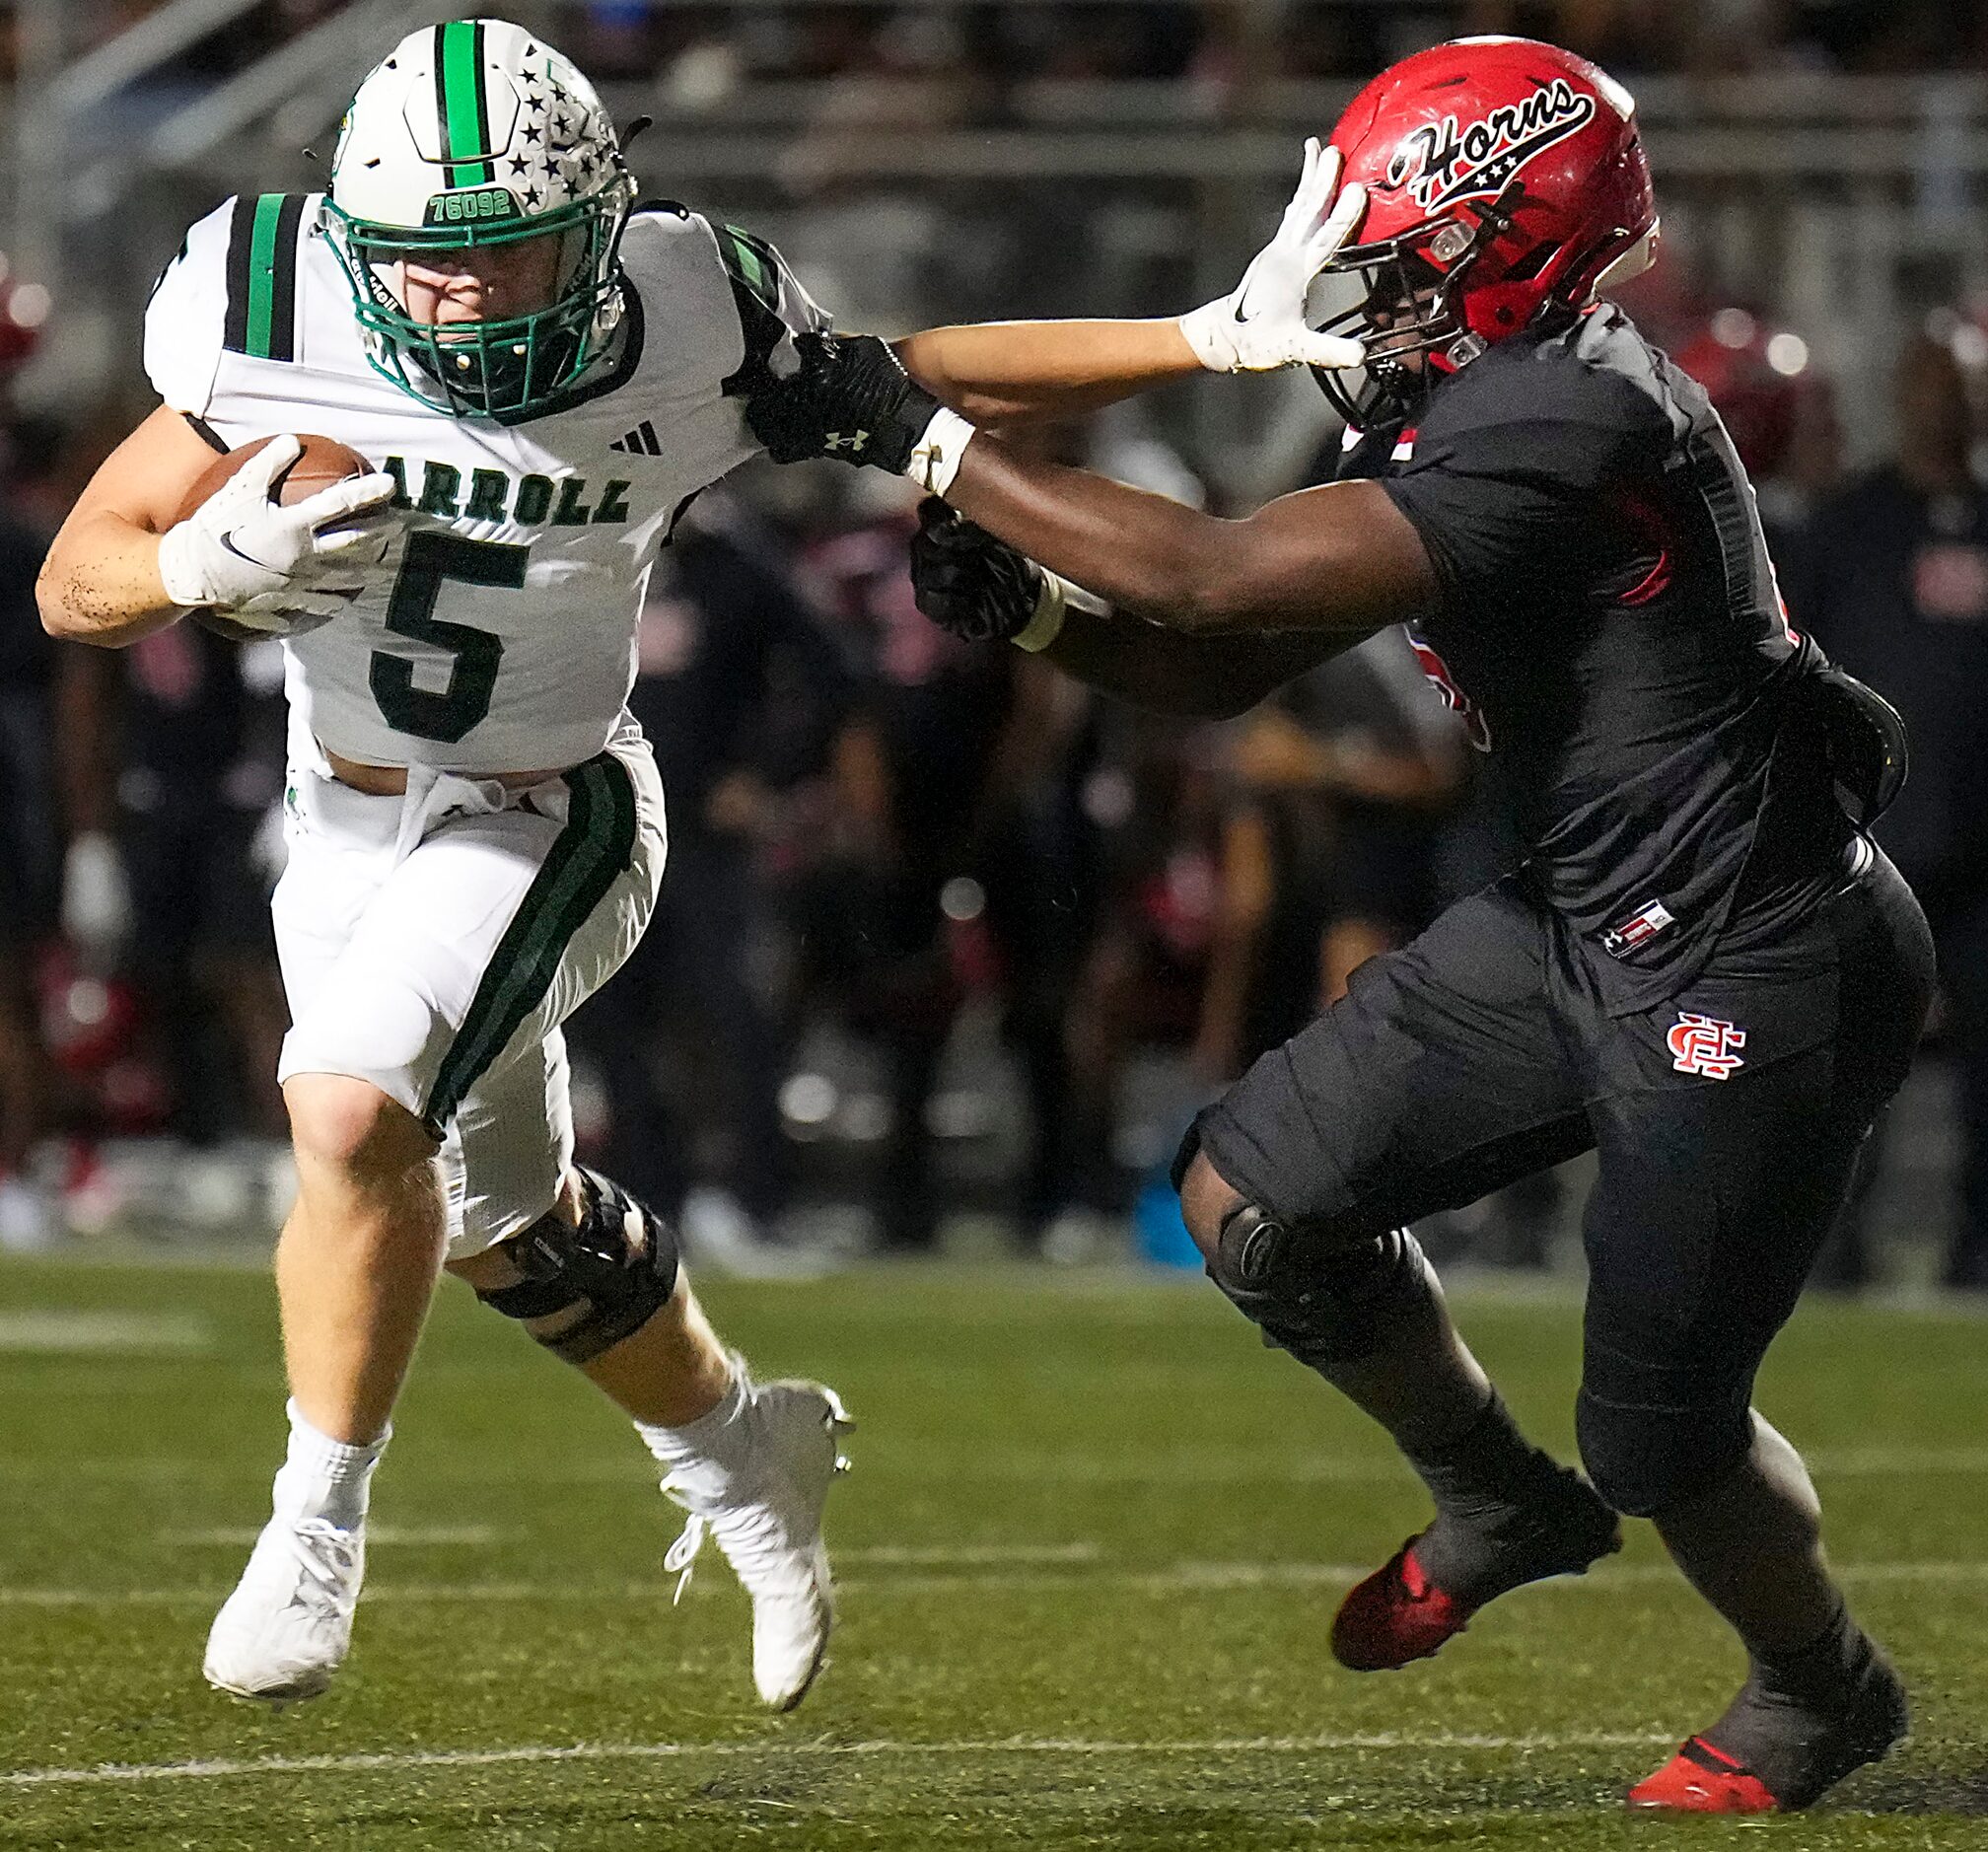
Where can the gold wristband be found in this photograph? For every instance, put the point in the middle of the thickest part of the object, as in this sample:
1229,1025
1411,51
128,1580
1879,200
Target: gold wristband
1046,625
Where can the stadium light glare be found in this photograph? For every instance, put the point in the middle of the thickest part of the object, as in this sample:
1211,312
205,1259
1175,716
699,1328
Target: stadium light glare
29,306
1734,327
1788,354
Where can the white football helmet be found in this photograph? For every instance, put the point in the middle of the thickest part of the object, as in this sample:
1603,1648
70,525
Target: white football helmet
475,133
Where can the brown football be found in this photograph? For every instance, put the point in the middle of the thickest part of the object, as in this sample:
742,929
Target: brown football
325,461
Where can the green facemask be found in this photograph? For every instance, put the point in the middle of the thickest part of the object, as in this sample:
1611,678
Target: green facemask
507,369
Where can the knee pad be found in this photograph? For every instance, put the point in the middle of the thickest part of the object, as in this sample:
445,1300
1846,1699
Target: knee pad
1327,1300
1644,1460
615,1271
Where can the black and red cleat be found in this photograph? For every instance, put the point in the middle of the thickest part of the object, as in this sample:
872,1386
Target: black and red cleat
1395,1616
1784,1754
1700,1779
1400,1613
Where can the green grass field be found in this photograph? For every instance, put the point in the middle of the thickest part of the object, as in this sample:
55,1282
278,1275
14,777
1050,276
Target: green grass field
1087,1554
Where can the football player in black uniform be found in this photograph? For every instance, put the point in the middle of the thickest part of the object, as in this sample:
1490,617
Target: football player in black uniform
1704,972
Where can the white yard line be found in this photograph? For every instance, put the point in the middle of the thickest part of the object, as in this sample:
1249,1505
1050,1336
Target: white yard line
969,1555
470,1535
112,1773
1180,1578
1210,1469
1896,1462
55,1333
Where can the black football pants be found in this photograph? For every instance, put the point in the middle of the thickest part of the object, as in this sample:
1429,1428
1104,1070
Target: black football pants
1726,1121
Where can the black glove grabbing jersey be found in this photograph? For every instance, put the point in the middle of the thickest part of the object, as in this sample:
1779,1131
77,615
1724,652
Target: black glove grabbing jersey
968,583
849,399
1610,630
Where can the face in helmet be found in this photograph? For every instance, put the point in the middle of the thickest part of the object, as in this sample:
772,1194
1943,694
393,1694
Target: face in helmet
477,201
1506,182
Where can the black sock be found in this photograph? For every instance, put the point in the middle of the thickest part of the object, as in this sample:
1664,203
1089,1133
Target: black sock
1488,1459
1499,1499
1806,1718
1825,1668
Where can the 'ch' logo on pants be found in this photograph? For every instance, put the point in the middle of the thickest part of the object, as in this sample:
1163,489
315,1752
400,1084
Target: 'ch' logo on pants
1704,1045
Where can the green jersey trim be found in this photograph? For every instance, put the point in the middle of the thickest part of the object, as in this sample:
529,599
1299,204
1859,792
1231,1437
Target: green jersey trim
261,318
753,268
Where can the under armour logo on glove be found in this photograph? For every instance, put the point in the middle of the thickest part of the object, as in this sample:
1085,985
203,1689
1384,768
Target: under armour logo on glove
850,397
1705,1044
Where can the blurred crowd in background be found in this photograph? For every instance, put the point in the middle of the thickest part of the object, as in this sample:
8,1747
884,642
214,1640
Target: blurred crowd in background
942,932
949,948
1001,43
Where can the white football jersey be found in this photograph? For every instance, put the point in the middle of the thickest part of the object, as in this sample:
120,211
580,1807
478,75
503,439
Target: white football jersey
499,634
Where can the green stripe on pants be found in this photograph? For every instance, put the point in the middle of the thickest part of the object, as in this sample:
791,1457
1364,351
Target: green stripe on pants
583,864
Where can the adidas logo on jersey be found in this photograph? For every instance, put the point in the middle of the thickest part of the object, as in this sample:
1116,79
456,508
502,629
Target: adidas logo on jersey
640,441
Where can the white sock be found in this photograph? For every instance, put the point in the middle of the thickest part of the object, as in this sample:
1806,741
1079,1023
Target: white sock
706,1457
325,1478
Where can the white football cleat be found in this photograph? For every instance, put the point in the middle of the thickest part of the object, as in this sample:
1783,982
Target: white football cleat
768,1527
285,1630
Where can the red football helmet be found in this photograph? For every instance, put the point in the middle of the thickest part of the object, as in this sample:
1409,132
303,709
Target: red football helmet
1504,177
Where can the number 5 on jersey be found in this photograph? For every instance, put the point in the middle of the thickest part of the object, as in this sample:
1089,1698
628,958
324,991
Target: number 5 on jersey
431,558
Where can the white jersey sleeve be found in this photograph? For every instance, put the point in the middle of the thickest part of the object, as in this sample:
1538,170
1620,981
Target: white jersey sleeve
186,318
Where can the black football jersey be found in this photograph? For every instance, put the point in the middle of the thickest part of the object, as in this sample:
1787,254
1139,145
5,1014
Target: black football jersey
1610,631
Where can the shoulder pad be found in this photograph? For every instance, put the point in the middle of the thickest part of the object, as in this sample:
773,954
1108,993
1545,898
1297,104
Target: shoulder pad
185,313
263,233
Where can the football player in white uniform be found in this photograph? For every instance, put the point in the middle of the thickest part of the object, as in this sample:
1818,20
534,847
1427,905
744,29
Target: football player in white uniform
543,373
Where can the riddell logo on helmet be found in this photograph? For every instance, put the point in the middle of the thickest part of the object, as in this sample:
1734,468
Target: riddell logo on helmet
1441,162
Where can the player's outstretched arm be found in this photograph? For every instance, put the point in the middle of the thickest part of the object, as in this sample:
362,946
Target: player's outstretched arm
1340,560
101,583
1010,372
1014,372
982,590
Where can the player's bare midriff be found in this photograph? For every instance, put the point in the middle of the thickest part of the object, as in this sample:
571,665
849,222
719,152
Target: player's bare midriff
390,781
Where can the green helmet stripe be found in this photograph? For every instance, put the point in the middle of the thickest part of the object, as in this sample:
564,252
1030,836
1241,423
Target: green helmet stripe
465,111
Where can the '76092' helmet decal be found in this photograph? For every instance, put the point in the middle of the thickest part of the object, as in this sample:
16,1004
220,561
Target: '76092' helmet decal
1443,163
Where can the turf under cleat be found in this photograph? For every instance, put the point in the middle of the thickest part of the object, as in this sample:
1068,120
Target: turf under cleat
769,1530
286,1628
1802,1752
1399,1615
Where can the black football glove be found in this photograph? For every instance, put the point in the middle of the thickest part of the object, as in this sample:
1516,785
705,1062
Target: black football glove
850,398
968,583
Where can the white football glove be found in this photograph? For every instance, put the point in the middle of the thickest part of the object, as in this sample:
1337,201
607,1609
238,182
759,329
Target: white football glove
273,568
1260,325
